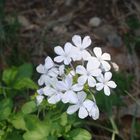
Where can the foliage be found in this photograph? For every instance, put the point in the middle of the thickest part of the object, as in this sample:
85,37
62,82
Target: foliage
22,119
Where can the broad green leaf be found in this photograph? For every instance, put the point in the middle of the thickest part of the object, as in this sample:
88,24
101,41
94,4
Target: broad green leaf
25,83
63,119
34,135
79,134
5,108
25,70
34,124
29,107
37,130
9,75
18,121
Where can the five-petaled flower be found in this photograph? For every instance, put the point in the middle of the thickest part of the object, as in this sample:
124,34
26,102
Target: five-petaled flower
87,73
105,83
102,58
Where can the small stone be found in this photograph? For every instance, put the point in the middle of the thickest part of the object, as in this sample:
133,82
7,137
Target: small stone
115,40
95,21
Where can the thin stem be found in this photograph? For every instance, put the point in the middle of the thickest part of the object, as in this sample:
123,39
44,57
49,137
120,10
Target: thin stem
113,136
114,125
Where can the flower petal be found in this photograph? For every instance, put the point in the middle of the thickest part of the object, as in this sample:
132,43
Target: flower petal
72,109
49,63
67,60
59,59
97,51
93,64
40,91
81,96
86,42
106,56
99,86
107,76
82,113
59,50
85,54
61,70
100,78
48,91
91,81
112,84
77,87
39,99
107,90
68,81
96,72
94,112
80,70
40,69
88,104
53,72
70,97
68,48
41,80
54,99
62,86
106,66
82,79
77,40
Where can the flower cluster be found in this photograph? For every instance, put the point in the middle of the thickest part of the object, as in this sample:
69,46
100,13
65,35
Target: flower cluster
73,74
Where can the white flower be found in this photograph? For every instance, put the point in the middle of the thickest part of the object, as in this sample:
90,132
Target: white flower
104,82
92,109
85,106
46,70
83,113
63,54
69,90
80,46
115,66
39,99
102,58
61,70
54,93
87,74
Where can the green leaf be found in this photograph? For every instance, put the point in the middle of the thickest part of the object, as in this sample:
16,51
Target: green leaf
37,130
18,121
5,108
79,134
34,135
25,83
9,76
63,119
29,107
51,138
14,135
25,70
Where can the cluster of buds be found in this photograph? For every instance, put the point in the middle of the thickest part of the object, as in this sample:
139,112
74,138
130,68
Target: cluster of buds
75,69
